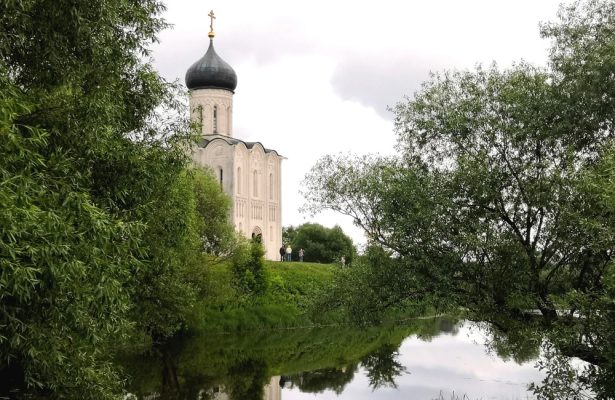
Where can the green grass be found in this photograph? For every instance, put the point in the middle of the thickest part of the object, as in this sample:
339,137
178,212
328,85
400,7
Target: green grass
297,283
291,289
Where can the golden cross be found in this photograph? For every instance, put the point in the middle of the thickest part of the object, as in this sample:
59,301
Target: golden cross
211,24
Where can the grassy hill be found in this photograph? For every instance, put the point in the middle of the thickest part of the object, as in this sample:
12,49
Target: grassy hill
291,288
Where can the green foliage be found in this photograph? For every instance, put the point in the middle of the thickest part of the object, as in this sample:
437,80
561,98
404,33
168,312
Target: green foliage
500,201
292,283
248,269
213,207
188,216
562,381
64,261
321,244
379,288
288,234
102,230
287,301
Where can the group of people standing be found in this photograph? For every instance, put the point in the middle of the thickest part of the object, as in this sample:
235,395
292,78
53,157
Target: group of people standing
286,254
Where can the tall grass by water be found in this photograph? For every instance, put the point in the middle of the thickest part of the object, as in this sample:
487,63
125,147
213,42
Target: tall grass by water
291,288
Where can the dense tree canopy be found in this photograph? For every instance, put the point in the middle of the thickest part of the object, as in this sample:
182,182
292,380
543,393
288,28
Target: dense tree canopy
321,244
500,199
102,227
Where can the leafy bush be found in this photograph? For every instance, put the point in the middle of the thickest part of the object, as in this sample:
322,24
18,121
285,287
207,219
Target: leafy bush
321,244
248,268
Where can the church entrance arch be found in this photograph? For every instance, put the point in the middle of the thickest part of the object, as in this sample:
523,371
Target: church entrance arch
257,233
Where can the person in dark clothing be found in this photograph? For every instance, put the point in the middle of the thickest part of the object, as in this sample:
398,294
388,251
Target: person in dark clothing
282,252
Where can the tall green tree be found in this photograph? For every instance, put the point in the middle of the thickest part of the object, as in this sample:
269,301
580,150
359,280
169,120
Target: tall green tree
64,264
186,225
101,229
490,203
288,234
321,244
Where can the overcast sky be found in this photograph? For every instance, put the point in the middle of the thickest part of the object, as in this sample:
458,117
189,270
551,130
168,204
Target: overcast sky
315,77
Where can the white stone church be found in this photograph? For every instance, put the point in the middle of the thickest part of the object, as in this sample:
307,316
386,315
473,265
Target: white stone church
248,172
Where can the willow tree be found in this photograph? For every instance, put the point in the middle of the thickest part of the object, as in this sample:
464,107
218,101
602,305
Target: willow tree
496,202
92,154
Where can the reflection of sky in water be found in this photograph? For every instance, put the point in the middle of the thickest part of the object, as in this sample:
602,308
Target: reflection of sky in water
447,363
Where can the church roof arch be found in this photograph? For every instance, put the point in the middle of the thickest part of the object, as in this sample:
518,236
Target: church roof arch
257,149
273,155
209,139
241,149
216,149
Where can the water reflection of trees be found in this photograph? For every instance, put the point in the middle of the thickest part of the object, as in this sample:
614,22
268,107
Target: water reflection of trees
311,360
382,367
246,380
516,342
162,376
435,327
318,381
214,367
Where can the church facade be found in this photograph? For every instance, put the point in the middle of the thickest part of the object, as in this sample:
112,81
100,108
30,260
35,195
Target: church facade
248,172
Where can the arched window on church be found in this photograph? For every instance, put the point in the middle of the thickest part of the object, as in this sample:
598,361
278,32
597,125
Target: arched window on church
238,180
271,186
221,176
255,183
215,119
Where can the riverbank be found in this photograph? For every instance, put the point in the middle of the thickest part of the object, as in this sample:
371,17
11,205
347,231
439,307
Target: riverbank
291,289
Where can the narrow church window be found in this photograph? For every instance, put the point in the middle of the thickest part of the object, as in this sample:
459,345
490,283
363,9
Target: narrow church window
215,119
255,183
200,110
221,177
228,120
270,186
238,180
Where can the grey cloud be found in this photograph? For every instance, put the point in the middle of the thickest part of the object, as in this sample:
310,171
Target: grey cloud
380,81
282,37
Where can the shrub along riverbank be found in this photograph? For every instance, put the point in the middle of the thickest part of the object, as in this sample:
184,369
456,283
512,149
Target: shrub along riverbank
296,295
291,289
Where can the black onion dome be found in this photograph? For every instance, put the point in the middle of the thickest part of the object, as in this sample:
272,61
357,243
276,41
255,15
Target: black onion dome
211,72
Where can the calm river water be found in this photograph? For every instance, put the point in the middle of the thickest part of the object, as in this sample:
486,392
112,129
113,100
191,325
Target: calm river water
436,358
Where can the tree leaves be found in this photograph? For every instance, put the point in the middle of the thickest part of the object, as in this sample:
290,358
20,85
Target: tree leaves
500,198
320,244
97,212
